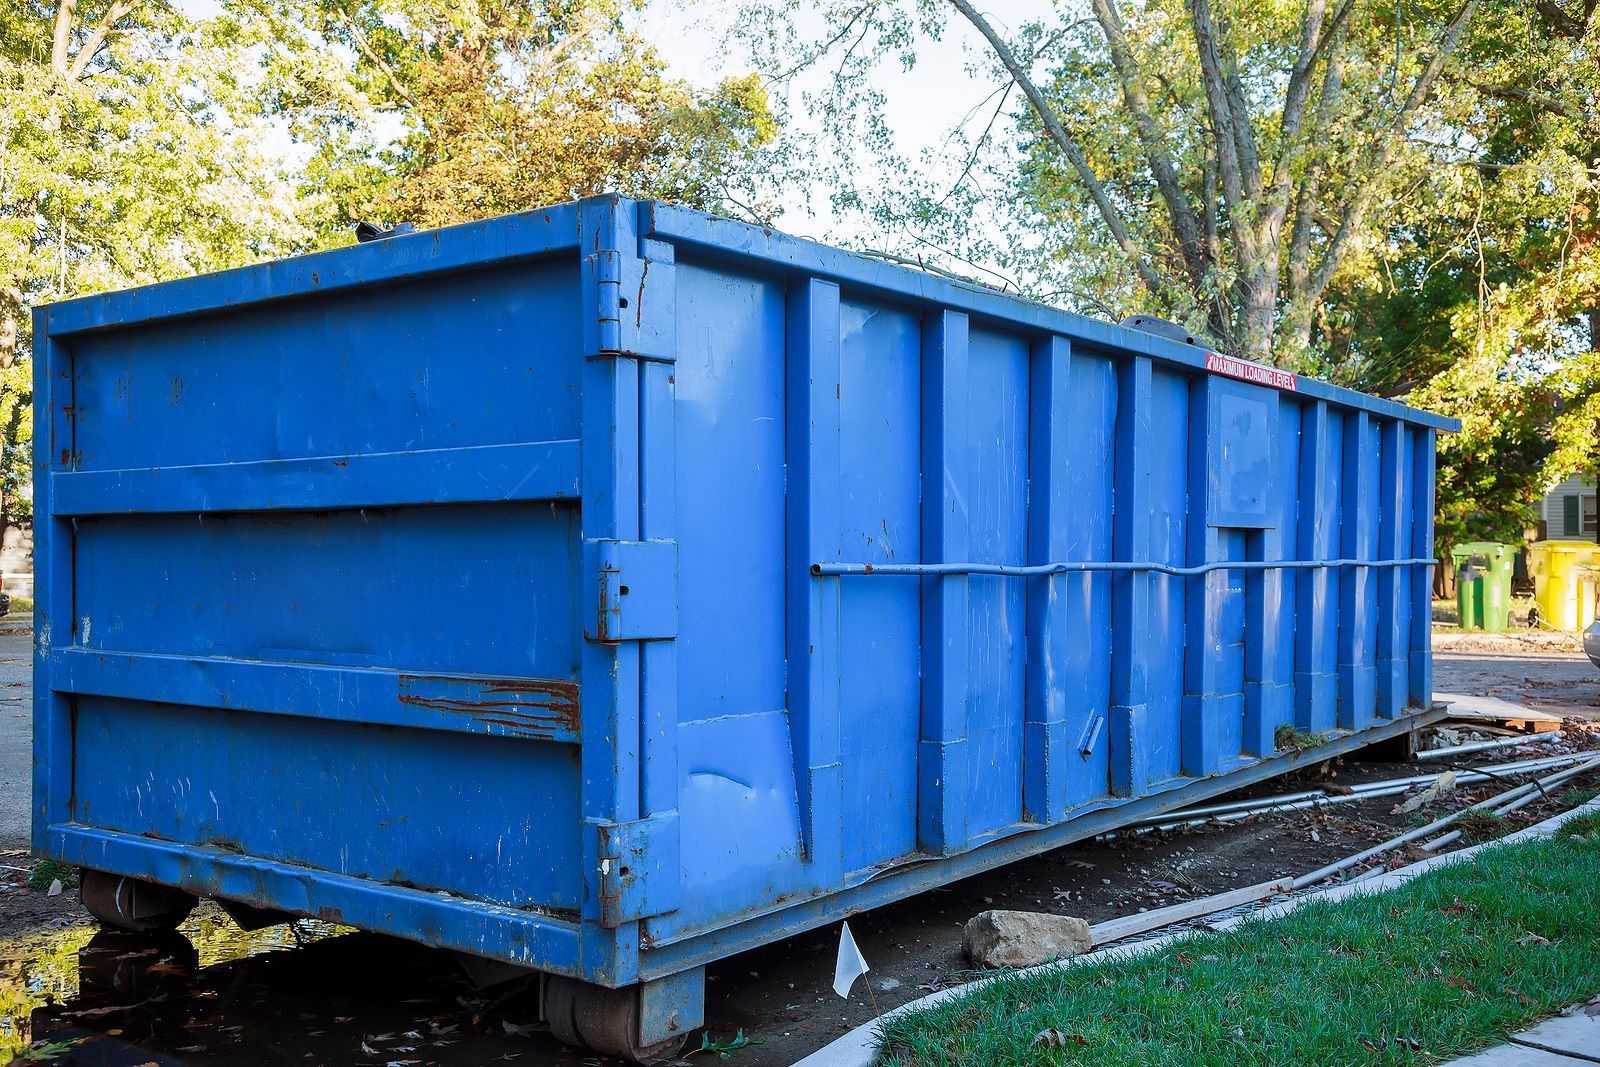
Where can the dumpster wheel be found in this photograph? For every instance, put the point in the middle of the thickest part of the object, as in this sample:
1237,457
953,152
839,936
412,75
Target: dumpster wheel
602,1019
133,904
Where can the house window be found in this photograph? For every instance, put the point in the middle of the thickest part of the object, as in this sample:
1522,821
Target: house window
1579,515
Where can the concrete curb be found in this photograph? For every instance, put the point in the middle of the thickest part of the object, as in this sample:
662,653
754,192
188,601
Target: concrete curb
858,1047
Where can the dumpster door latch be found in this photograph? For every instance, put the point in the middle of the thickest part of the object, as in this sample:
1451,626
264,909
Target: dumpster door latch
636,590
639,874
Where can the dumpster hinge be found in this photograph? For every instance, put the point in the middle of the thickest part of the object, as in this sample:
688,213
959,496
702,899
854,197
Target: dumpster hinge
635,590
639,874
636,297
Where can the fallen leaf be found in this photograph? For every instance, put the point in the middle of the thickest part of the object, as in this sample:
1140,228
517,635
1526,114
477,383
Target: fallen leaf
1531,938
1442,784
95,1013
55,888
1058,1039
518,1030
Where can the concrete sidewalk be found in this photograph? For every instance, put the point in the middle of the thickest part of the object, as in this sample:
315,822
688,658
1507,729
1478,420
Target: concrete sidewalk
1570,1041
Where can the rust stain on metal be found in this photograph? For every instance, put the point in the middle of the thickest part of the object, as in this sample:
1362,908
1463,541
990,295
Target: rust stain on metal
526,707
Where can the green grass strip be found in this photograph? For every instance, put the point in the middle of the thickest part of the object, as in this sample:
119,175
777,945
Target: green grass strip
1441,966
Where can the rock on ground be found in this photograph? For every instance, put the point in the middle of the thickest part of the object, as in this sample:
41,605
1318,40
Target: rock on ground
1024,938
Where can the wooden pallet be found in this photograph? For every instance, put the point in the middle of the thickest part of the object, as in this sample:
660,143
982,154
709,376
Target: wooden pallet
1492,712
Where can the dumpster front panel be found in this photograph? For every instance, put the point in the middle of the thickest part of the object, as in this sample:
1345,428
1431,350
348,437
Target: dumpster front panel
315,575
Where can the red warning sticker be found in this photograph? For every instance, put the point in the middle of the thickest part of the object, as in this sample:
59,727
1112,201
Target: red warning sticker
1244,370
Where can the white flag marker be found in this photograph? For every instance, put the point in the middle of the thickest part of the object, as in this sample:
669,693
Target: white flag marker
850,965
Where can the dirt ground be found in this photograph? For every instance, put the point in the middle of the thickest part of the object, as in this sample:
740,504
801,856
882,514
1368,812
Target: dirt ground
316,995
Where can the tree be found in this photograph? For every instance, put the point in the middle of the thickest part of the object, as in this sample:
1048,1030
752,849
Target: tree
1399,199
131,155
1485,303
1231,155
502,105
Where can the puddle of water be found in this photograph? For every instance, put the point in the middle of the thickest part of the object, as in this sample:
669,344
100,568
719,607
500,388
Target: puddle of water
213,994
45,970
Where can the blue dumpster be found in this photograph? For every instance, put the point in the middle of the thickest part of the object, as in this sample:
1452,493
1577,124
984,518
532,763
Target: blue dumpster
610,588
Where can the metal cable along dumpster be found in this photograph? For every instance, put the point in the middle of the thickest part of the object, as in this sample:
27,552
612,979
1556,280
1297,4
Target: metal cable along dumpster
610,588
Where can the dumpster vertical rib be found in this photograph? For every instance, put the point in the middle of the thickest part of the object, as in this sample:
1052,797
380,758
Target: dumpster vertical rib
1357,699
1200,744
609,715
812,377
1045,765
53,561
1393,640
1315,681
942,753
1131,646
1421,674
658,521
1267,695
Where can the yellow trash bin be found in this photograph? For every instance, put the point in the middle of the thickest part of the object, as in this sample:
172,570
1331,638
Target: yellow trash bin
1564,576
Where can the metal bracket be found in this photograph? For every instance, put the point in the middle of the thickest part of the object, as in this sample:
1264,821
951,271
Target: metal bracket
636,590
639,874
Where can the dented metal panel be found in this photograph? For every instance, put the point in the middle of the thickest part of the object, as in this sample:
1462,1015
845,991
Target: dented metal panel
610,588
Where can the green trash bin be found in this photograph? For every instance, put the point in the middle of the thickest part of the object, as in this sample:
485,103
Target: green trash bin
1483,584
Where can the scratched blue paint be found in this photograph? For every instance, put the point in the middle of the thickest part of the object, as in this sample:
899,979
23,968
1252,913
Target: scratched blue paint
461,585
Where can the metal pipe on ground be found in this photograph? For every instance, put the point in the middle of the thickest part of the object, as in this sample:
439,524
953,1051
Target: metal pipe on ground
1484,746
1241,809
1544,785
1527,789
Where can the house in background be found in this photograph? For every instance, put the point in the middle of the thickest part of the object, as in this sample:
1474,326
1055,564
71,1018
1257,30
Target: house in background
1569,510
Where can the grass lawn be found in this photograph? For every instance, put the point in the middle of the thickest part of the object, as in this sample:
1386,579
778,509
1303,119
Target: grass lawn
1448,963
21,605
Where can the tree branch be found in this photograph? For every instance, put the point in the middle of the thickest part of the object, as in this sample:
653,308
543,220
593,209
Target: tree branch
1305,205
1315,41
1223,118
61,40
97,37
1191,243
1526,96
1561,23
1052,123
382,65
1383,149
